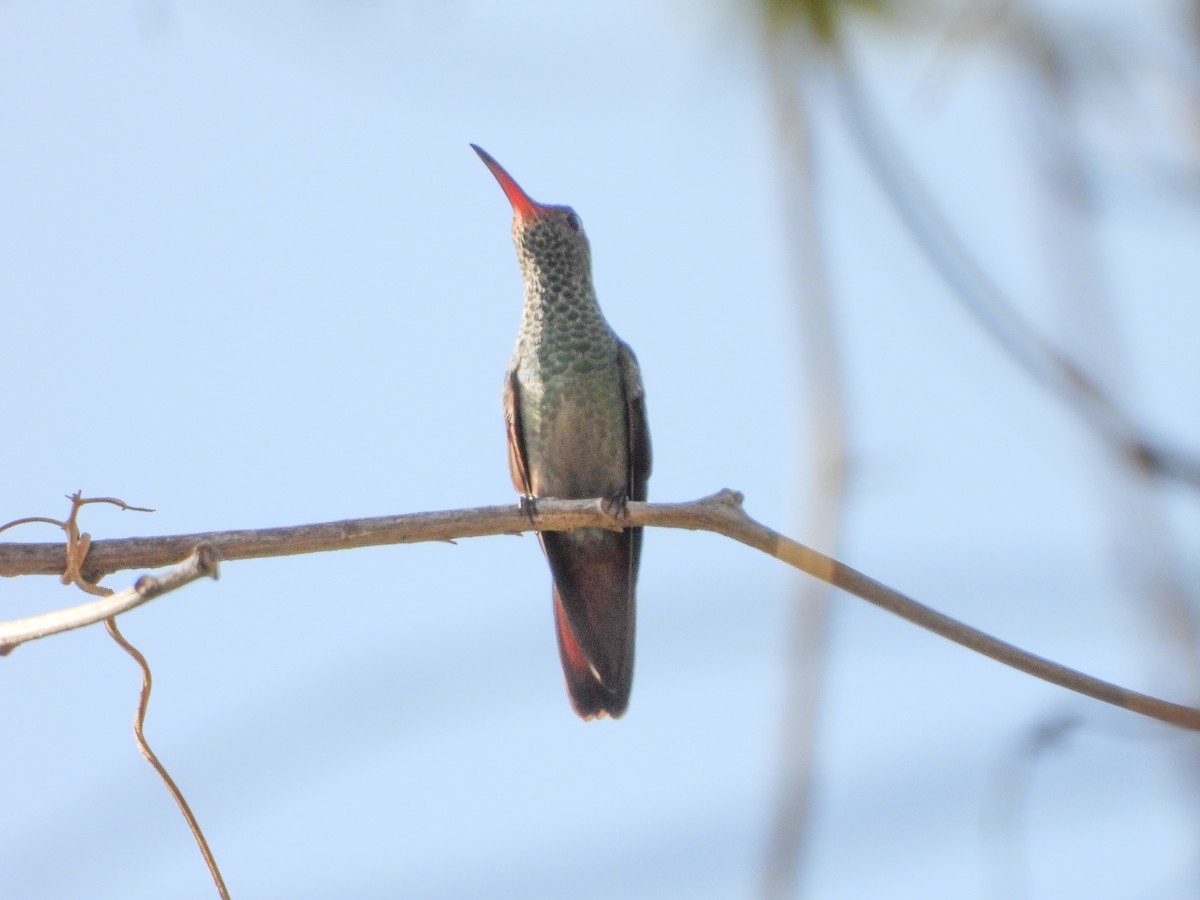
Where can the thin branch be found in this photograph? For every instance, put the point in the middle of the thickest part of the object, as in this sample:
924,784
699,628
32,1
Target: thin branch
32,520
139,734
721,513
108,556
202,562
76,550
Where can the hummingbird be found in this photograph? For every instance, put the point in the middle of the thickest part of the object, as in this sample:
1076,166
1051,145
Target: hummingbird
575,412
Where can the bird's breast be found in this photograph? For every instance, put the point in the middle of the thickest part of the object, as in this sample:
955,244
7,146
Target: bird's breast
574,430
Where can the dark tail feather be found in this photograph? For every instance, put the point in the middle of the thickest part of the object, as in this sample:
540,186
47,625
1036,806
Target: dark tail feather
594,574
589,697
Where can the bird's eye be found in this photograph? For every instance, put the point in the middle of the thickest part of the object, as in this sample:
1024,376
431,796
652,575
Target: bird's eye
573,221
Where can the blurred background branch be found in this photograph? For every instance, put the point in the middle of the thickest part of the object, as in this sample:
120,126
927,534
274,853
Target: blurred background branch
808,44
789,54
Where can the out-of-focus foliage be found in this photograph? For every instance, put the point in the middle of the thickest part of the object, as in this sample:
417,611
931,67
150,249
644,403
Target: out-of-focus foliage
820,17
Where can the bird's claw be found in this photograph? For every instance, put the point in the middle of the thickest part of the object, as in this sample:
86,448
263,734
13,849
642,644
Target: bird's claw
528,506
616,506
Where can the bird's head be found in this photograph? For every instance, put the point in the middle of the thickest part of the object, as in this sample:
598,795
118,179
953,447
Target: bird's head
547,237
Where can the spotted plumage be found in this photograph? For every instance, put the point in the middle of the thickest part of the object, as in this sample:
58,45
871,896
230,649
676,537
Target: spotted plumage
576,417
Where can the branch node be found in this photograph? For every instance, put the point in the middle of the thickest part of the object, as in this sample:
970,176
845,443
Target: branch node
208,560
148,586
727,497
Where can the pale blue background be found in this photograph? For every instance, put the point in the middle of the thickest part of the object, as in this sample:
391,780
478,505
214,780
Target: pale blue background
254,276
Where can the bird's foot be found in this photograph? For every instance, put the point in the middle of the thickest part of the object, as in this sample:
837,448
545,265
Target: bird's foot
528,506
616,506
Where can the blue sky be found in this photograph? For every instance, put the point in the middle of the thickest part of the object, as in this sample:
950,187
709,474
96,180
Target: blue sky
257,277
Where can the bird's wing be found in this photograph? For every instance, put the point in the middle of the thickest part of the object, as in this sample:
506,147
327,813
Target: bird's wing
635,418
517,465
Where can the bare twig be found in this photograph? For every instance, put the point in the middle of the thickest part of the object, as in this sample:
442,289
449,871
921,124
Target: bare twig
77,543
139,734
30,520
721,513
202,562
108,556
